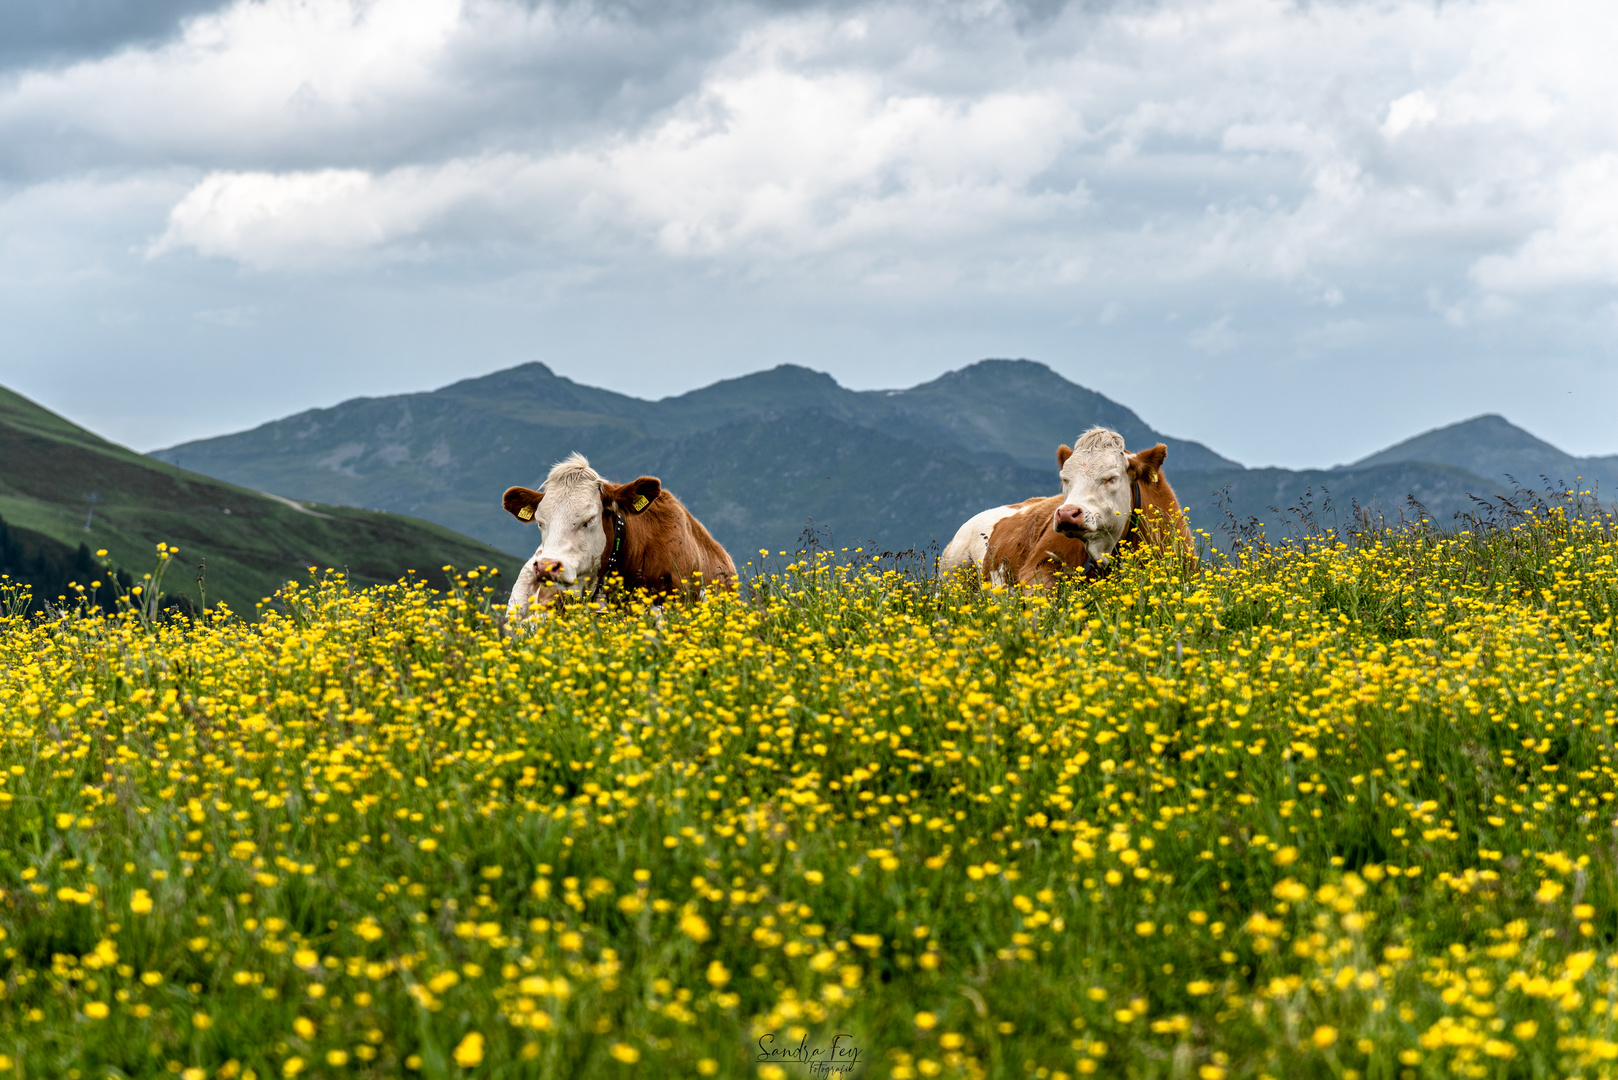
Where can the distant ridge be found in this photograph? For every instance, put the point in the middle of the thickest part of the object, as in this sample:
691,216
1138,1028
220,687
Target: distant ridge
761,457
1491,446
758,458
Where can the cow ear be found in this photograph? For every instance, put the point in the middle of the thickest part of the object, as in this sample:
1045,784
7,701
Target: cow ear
1063,452
521,502
634,496
1146,464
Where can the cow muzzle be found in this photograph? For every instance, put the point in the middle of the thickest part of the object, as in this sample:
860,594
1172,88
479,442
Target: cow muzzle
1070,521
549,570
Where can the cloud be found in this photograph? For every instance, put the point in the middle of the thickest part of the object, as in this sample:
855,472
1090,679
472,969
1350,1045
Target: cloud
34,32
963,174
1579,246
768,165
1091,150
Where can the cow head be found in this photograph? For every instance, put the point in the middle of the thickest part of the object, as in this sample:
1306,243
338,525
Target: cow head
571,515
1096,502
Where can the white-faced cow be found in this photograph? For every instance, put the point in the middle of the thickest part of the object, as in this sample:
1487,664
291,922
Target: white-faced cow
1109,497
592,531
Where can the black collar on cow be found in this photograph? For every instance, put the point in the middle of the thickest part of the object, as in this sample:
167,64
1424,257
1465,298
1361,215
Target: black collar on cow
615,556
1095,569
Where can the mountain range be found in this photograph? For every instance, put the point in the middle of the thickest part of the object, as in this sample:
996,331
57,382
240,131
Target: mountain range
66,493
764,457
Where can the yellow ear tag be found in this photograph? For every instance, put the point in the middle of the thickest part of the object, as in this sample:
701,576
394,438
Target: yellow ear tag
1153,477
526,513
639,503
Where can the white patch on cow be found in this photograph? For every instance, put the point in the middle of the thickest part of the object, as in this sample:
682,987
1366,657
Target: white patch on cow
1095,482
573,539
971,543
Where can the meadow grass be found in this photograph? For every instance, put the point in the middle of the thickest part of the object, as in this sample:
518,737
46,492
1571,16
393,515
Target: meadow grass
1345,810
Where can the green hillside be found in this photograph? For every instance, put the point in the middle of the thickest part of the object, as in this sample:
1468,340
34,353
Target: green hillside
50,469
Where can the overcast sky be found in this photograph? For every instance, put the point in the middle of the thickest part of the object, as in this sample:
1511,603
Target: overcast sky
1295,231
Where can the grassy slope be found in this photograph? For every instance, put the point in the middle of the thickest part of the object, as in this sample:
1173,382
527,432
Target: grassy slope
252,542
1323,815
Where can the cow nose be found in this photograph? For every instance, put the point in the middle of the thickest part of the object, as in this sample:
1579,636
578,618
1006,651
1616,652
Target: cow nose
1070,515
548,569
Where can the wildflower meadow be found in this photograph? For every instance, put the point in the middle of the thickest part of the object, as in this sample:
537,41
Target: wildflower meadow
1341,809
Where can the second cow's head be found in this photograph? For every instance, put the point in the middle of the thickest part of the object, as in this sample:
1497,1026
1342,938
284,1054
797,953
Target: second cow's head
1097,478
572,513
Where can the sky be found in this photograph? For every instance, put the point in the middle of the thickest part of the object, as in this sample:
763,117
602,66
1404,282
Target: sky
1295,231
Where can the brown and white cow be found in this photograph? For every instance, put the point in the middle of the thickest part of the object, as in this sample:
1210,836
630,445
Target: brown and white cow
1110,498
592,530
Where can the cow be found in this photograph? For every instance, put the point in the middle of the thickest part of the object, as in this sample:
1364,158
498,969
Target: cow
1110,498
592,530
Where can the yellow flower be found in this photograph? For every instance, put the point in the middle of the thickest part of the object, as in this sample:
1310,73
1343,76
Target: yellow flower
1290,890
1324,1036
96,1010
926,1021
694,926
1525,1030
718,974
624,1052
141,902
470,1050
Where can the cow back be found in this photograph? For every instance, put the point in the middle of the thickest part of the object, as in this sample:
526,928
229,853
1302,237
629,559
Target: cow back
667,550
1025,547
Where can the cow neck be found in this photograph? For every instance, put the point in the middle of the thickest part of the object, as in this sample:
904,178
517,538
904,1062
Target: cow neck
615,553
1095,569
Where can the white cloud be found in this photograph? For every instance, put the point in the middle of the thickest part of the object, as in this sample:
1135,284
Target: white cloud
1579,247
1414,111
769,165
960,166
1166,144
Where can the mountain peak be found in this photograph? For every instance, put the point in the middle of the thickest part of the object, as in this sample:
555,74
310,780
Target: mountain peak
1000,371
1490,446
781,379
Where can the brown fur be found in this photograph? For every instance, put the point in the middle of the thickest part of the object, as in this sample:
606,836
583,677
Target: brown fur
1027,547
666,549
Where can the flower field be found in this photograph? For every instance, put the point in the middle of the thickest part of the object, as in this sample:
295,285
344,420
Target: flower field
1349,811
